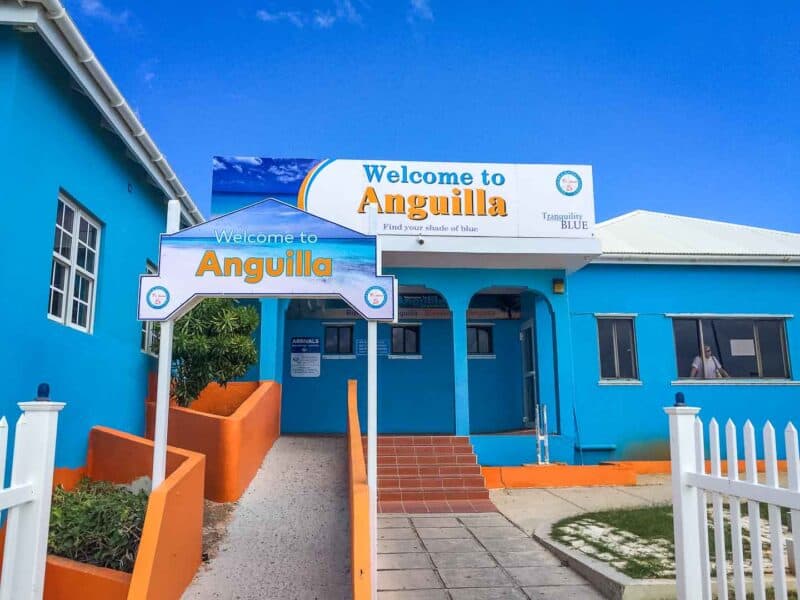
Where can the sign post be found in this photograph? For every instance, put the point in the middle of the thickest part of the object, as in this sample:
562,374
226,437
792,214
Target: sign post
164,372
268,249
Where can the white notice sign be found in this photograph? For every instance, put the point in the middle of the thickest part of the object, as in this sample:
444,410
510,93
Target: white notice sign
305,360
743,348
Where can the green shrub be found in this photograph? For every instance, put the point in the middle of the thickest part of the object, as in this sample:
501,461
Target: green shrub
213,342
97,523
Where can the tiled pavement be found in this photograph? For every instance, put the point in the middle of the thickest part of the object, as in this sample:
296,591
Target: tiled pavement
468,557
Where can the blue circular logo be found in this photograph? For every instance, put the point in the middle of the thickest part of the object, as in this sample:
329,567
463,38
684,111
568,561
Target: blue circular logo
157,297
375,296
569,183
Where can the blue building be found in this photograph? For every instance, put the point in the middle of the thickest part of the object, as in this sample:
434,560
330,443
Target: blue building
547,317
85,190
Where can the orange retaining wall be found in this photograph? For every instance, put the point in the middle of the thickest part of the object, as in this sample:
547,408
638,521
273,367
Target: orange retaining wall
556,476
224,400
170,550
234,445
66,579
361,570
608,473
652,467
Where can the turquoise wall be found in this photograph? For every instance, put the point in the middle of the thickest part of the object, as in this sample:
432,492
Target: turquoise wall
52,138
629,418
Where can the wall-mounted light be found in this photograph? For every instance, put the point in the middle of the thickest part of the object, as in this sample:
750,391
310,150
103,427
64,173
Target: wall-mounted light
558,286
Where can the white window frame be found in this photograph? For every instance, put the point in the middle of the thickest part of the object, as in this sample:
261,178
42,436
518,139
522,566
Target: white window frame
617,380
788,380
73,268
149,327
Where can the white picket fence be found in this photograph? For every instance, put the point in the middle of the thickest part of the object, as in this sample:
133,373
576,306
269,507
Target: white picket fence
692,487
27,499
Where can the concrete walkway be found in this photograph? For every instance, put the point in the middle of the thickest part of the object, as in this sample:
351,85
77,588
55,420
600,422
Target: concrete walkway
289,537
468,557
529,508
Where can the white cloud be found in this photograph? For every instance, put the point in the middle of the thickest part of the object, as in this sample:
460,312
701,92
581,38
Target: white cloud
324,20
98,10
420,10
321,18
217,164
290,16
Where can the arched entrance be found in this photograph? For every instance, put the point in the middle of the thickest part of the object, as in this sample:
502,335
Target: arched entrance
511,358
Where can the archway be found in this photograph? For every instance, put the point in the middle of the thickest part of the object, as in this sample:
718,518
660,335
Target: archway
511,358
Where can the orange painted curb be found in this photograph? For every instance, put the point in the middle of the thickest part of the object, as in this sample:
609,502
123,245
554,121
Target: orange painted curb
360,554
235,445
541,476
656,467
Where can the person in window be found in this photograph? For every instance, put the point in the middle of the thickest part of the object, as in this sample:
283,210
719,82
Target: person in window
707,367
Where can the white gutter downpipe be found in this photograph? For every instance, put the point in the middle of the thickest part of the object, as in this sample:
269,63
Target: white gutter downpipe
173,188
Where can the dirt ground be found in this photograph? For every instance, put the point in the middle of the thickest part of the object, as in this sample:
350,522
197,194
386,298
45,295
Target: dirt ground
216,517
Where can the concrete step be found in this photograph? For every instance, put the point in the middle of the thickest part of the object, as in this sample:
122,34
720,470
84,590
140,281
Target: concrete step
475,493
421,440
409,483
428,470
426,460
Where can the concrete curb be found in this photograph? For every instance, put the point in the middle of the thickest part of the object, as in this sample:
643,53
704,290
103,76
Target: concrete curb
618,586
606,580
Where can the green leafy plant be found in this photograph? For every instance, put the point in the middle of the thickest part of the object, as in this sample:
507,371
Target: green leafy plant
213,342
97,523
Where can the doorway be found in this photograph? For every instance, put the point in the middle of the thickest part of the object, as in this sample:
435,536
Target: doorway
530,387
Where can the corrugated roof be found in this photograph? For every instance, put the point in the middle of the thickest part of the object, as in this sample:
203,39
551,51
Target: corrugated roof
644,234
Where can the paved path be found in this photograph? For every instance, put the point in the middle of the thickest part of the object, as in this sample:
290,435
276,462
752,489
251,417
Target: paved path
528,508
468,557
289,537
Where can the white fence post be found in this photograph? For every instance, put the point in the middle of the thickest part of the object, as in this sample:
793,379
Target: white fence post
27,527
686,514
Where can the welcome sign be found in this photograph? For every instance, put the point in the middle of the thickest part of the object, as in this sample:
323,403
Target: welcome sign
267,249
423,198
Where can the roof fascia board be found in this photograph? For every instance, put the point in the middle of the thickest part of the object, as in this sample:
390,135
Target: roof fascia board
14,14
682,259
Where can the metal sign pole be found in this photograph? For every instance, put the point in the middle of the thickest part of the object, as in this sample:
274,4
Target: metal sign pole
164,372
372,417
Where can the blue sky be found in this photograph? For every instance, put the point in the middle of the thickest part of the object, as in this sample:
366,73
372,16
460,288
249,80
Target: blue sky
690,108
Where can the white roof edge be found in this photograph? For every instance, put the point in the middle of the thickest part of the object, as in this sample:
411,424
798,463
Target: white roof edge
52,21
699,259
641,211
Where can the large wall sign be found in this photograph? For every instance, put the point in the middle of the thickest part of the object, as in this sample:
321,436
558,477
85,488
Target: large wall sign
422,198
267,249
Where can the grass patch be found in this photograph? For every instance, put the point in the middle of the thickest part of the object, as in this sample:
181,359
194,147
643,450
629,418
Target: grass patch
653,523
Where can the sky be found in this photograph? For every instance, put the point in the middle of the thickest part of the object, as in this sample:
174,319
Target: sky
682,107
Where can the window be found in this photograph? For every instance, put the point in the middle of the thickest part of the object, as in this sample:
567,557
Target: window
735,347
405,339
480,339
617,348
73,274
339,339
149,343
